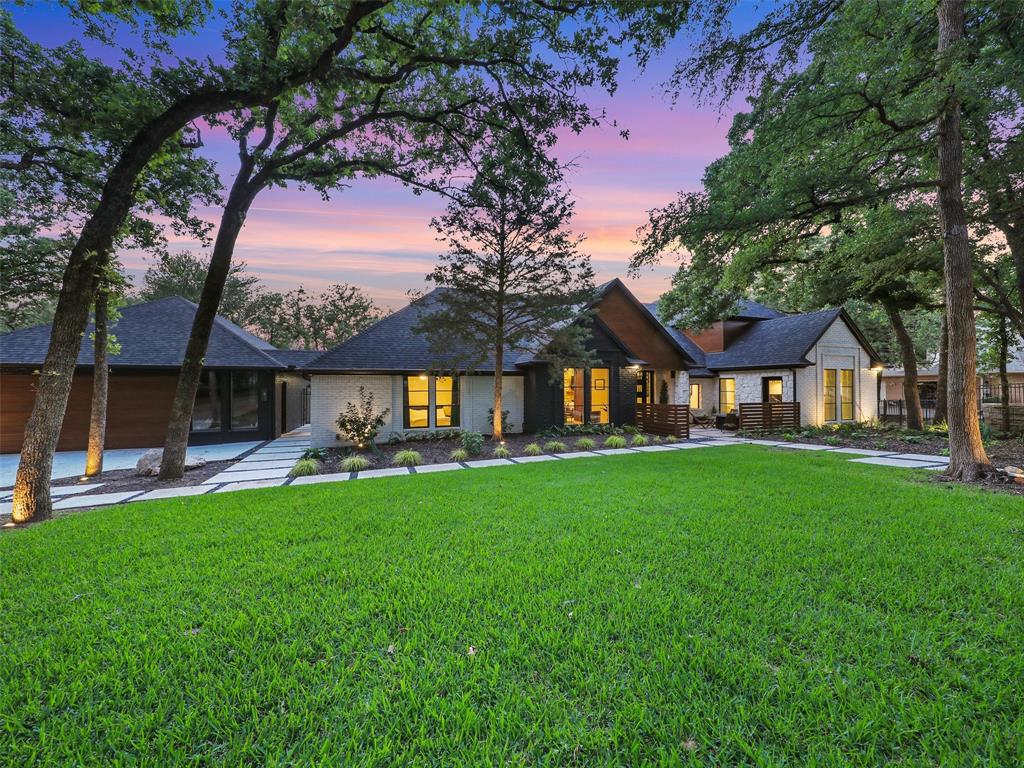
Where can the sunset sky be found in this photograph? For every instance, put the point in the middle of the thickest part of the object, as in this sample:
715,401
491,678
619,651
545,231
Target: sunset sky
376,234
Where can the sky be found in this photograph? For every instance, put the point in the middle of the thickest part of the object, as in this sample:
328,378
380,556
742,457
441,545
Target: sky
376,233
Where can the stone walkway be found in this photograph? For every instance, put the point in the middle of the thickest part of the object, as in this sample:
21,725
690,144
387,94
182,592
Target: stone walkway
268,467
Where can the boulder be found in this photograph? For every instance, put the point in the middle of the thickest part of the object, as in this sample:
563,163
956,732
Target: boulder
149,463
1014,471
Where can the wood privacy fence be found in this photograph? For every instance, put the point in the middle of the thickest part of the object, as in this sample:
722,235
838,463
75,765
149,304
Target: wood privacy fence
767,416
661,419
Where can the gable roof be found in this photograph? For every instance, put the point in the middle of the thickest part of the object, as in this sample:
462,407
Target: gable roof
651,317
699,369
752,310
150,335
392,344
295,358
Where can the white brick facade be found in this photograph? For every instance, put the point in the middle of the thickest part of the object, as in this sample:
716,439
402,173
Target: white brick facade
330,393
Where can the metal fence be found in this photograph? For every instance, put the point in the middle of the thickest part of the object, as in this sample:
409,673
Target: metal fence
993,393
896,410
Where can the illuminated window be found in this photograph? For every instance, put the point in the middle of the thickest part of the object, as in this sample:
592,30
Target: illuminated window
830,394
846,394
417,402
771,390
694,396
207,409
726,395
645,387
600,395
572,395
446,402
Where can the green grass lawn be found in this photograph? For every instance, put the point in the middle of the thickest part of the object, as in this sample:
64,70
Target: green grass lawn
722,606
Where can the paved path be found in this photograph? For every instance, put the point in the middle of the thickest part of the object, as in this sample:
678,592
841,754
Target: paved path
268,467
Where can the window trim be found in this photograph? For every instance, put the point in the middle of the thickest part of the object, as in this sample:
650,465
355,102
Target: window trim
721,406
406,422
765,394
455,420
834,392
853,395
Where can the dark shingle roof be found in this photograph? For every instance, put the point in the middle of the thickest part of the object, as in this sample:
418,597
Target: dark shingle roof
752,310
150,335
696,353
297,358
781,342
393,345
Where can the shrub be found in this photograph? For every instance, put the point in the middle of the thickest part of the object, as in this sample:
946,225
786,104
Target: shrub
555,446
460,454
319,454
407,459
615,441
355,464
656,439
671,439
833,440
423,436
585,444
630,429
533,449
502,452
638,440
305,467
473,443
361,423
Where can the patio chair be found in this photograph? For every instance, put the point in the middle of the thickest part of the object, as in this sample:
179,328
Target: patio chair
700,418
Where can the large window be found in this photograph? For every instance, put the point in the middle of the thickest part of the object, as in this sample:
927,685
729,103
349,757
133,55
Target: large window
645,387
206,412
726,395
694,396
572,395
830,394
446,402
245,400
600,395
417,402
846,394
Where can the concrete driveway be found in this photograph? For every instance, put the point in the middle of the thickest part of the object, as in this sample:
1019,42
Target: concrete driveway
72,463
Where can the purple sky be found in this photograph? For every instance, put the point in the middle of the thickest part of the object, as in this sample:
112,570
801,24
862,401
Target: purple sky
376,234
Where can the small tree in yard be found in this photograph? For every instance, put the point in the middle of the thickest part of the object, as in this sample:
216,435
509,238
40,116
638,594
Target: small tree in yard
514,274
361,423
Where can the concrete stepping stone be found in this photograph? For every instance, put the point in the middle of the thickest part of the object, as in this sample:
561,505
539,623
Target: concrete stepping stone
807,446
266,454
884,461
96,500
242,475
930,458
532,459
173,493
446,467
766,442
271,464
250,485
575,455
334,477
488,463
389,472
58,490
864,451
614,451
652,448
682,446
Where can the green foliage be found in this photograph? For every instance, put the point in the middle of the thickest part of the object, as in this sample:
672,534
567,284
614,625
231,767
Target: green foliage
361,422
615,441
568,430
304,467
555,446
532,449
473,443
407,459
424,436
505,425
670,439
638,440
586,444
355,463
320,454
434,549
460,454
502,452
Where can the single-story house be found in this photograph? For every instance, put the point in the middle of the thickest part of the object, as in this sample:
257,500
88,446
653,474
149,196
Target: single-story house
988,380
820,360
249,390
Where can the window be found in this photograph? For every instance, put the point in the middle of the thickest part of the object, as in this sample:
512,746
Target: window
417,401
206,411
645,387
446,402
600,395
830,394
245,400
572,395
694,396
726,395
771,389
846,394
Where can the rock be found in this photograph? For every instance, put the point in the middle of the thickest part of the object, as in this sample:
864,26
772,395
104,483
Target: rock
1014,471
149,463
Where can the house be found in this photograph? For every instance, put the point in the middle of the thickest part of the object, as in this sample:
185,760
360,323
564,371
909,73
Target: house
819,360
249,389
988,380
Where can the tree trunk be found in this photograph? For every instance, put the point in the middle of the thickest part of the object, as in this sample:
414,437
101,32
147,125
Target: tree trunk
243,192
941,386
499,364
911,395
100,379
1004,379
967,458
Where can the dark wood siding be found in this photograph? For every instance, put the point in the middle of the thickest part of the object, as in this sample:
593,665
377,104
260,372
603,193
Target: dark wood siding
638,331
137,412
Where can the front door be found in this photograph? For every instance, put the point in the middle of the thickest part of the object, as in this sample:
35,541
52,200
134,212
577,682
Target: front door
771,389
645,387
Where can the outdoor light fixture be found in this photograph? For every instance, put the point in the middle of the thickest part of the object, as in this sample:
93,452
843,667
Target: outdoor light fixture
423,377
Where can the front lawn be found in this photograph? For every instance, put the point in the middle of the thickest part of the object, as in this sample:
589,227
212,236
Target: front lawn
721,606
